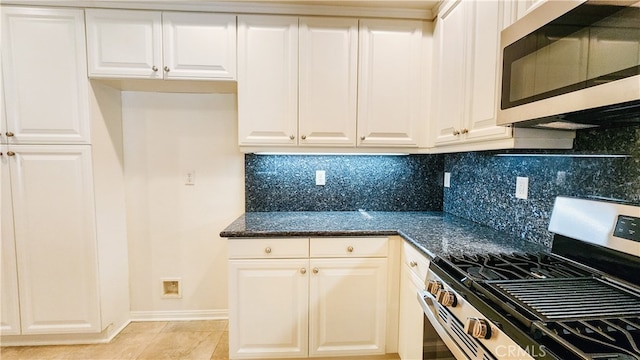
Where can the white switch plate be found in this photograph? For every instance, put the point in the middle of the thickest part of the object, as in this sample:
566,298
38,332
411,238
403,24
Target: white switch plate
522,187
190,177
321,178
447,179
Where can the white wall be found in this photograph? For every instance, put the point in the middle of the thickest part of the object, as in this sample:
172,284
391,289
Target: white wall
172,227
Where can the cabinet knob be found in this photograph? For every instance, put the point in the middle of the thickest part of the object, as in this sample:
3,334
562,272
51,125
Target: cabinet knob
350,249
9,134
316,270
413,264
10,153
303,271
303,137
291,137
456,132
166,68
362,138
267,250
465,131
154,68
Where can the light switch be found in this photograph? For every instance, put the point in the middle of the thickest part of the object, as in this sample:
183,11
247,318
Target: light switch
447,179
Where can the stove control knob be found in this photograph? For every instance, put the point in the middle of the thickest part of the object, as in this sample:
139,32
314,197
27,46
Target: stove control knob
447,298
433,286
478,328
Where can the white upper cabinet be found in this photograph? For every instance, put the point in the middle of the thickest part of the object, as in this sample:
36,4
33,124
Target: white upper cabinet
390,106
466,100
44,73
267,80
161,45
328,81
124,43
360,82
199,45
449,94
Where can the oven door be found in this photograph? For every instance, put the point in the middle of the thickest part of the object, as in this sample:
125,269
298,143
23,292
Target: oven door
435,332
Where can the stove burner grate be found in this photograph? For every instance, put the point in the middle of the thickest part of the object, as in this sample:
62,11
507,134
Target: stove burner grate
607,338
568,299
516,266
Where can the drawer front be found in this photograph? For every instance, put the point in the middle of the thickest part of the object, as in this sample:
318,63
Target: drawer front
349,247
417,262
276,248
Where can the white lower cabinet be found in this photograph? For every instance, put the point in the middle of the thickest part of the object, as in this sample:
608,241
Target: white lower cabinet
410,333
347,306
49,256
268,302
327,301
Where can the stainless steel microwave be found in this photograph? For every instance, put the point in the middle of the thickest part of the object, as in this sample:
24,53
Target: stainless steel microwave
572,64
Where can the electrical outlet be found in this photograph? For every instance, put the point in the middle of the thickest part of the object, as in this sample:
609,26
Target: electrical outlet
190,177
321,178
447,179
522,187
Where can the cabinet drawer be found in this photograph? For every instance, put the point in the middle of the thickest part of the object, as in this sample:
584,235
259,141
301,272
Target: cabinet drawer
415,260
349,247
268,248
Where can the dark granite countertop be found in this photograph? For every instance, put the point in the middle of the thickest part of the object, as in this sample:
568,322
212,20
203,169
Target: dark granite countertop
434,233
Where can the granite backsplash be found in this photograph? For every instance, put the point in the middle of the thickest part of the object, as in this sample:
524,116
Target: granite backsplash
353,182
483,183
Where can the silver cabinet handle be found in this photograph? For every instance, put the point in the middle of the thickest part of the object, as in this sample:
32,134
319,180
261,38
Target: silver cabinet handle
362,138
303,271
303,137
413,264
350,249
456,132
291,137
166,68
316,270
267,250
154,68
9,134
10,153
465,131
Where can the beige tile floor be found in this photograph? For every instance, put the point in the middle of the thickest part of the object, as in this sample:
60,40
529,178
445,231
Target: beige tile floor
188,340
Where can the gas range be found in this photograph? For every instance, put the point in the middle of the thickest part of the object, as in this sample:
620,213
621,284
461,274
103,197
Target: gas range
579,301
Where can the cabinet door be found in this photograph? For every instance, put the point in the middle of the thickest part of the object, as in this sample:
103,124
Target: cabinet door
267,80
124,44
450,59
410,341
328,81
44,72
347,306
268,308
10,315
484,66
199,45
52,188
389,88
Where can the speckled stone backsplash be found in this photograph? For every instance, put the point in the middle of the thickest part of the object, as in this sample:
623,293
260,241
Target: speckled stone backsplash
369,182
483,184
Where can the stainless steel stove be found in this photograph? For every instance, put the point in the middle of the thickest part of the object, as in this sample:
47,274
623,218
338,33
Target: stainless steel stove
579,301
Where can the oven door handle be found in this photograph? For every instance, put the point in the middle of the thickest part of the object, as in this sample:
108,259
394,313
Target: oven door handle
429,309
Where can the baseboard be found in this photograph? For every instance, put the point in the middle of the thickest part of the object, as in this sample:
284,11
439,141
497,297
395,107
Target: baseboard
178,315
102,337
